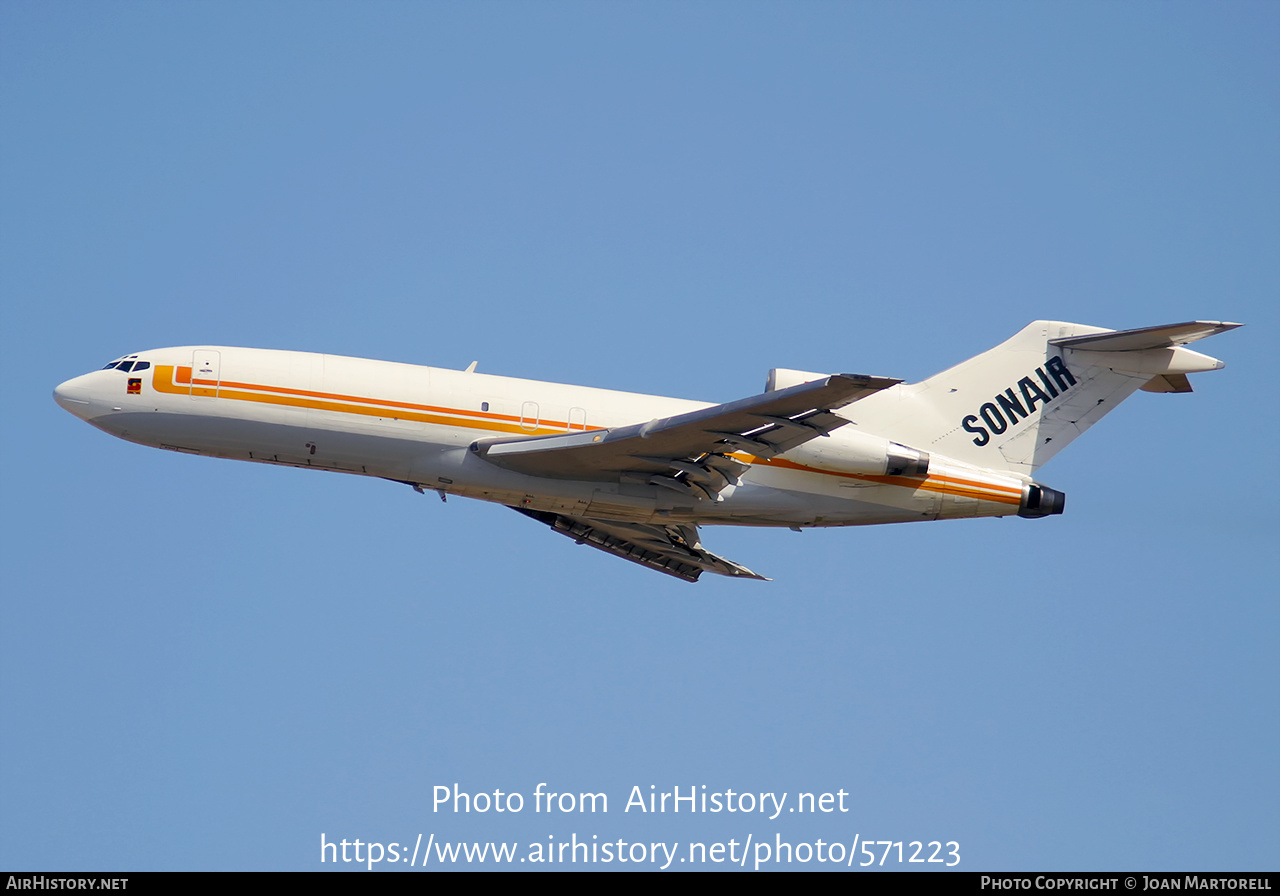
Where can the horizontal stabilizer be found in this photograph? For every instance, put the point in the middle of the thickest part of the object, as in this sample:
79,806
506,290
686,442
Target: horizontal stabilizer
1170,382
1144,338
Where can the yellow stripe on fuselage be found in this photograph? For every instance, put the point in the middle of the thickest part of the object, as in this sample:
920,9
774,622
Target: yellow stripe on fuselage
947,485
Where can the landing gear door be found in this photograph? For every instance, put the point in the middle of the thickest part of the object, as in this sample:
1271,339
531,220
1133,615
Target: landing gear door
205,373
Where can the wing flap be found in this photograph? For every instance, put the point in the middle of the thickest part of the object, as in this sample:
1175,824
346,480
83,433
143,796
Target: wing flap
675,550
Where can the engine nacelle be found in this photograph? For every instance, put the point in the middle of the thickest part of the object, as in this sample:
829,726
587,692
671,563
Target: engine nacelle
1040,500
782,378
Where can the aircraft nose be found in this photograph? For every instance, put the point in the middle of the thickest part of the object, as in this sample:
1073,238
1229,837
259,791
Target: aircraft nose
73,396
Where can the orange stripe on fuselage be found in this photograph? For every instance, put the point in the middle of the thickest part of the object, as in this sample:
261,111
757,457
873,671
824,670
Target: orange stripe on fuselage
163,380
165,375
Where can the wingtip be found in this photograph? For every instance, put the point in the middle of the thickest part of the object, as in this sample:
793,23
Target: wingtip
867,381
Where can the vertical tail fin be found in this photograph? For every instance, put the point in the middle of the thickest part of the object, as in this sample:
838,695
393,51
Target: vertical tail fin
1017,405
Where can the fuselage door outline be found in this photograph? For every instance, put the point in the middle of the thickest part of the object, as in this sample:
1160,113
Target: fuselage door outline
205,373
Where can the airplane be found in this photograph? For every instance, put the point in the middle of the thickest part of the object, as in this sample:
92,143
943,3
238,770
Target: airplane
636,475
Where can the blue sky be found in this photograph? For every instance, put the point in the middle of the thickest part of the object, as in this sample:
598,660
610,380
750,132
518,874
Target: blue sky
207,664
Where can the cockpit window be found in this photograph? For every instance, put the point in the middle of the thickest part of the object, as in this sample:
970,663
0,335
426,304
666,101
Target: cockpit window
128,366
141,365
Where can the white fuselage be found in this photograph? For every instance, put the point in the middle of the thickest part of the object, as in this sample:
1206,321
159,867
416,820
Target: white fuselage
415,425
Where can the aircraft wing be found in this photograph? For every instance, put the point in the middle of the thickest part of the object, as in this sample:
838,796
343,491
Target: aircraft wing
689,452
673,549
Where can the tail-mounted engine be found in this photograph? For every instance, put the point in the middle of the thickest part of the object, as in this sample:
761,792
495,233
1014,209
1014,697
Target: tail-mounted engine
1040,500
